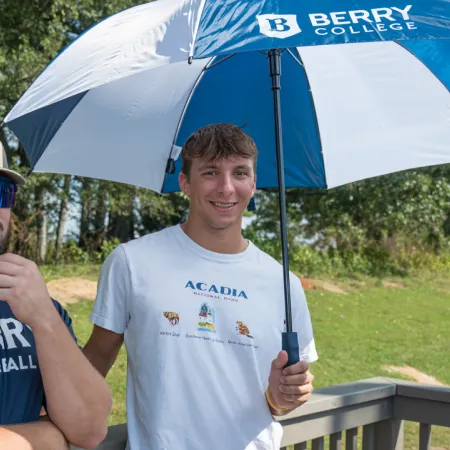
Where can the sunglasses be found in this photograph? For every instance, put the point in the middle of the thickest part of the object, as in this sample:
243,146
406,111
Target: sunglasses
8,190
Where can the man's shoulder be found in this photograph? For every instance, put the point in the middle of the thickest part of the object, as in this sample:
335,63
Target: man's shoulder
270,266
154,240
267,261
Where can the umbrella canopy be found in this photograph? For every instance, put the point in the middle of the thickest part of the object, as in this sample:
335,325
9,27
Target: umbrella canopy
121,100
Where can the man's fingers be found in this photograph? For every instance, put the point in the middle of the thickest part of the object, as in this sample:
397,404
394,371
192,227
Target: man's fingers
280,361
300,367
296,390
297,400
8,268
14,259
299,379
6,294
7,281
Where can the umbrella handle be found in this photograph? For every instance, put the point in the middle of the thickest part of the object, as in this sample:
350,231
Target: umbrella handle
290,345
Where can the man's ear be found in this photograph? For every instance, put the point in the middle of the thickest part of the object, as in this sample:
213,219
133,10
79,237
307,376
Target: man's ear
183,181
254,186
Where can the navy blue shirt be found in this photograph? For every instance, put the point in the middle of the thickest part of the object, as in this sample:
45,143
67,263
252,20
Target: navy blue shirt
21,388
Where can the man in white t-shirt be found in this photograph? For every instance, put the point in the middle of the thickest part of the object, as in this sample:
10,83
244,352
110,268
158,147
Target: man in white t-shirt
201,311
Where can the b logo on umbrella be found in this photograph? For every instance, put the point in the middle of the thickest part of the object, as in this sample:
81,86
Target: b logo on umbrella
278,26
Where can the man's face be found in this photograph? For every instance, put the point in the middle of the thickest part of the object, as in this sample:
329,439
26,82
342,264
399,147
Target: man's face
5,229
219,190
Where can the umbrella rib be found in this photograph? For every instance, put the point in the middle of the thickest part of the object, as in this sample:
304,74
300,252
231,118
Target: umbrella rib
295,58
216,63
180,121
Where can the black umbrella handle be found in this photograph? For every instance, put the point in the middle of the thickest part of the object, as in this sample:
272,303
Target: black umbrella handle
275,74
290,345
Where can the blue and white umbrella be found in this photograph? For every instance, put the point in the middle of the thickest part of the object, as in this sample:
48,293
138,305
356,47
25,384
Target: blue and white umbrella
120,101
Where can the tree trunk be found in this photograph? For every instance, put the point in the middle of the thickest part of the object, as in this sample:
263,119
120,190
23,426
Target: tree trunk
86,209
43,239
41,223
122,226
62,217
100,217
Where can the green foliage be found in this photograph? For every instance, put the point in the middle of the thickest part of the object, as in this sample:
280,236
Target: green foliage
107,247
31,35
73,254
395,224
371,261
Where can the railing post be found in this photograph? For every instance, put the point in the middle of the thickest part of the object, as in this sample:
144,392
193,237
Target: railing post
369,437
425,436
336,441
351,439
389,435
301,446
318,444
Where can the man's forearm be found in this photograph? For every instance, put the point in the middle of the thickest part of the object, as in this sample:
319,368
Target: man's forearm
41,435
78,399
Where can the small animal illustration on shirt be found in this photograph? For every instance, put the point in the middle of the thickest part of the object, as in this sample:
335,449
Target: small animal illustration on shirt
172,317
243,330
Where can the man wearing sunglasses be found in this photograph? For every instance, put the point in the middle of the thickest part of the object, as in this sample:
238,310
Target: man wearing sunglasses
41,366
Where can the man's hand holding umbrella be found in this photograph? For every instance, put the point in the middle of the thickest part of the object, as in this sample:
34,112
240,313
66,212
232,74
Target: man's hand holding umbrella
289,387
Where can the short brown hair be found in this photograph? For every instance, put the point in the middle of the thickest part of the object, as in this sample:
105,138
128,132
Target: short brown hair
215,142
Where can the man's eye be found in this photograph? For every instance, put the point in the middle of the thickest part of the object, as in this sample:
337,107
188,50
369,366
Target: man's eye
241,173
210,173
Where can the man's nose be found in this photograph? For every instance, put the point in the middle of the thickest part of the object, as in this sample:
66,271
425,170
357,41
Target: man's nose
226,186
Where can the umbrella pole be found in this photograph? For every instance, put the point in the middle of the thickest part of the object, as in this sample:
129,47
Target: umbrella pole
289,338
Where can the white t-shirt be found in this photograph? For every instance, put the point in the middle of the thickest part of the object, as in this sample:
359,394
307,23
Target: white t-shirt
201,330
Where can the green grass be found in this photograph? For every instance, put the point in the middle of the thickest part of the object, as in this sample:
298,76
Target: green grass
54,272
356,334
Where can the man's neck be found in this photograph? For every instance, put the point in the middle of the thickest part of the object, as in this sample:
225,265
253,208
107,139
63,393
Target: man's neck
226,241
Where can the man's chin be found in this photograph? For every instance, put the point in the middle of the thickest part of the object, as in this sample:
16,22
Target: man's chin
223,224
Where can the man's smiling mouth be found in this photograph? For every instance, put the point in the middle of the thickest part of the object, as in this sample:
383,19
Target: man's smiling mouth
223,205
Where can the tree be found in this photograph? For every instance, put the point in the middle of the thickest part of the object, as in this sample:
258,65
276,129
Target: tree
62,216
401,210
31,34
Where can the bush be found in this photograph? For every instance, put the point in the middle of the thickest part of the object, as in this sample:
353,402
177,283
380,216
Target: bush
307,261
372,260
107,247
73,254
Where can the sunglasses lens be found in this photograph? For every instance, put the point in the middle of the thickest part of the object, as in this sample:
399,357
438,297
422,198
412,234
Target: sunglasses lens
8,191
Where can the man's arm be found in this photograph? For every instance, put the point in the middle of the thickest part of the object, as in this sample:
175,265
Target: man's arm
102,349
41,435
110,314
78,400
